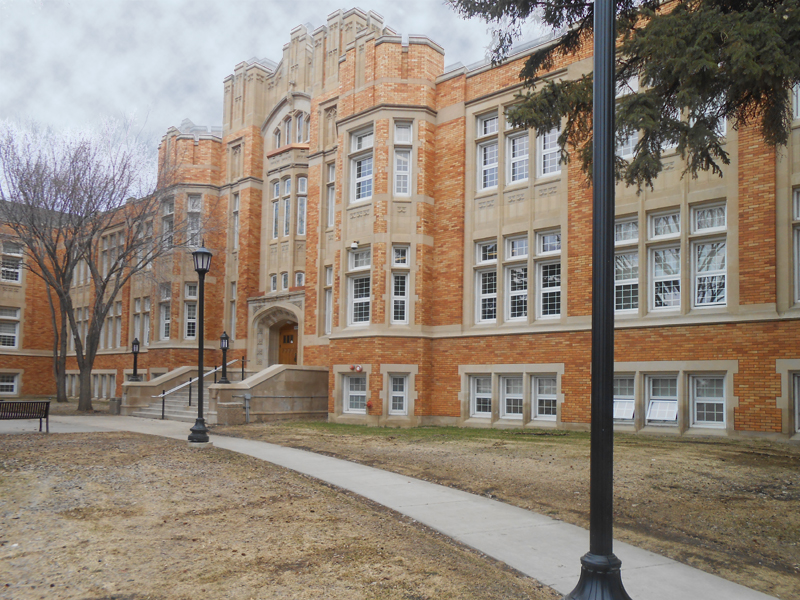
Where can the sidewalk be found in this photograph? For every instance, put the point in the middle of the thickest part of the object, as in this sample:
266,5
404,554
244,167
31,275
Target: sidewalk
542,548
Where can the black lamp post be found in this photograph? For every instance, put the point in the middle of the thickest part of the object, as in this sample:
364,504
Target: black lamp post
202,263
224,340
135,350
600,568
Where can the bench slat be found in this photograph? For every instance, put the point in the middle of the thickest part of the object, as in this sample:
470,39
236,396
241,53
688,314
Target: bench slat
26,409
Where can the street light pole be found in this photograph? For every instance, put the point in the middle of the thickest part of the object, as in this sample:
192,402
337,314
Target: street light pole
135,350
224,340
202,264
600,569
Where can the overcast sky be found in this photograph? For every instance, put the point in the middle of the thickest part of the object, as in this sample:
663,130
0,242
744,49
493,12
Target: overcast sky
69,63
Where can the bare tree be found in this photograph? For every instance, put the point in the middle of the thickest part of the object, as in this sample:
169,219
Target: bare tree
91,198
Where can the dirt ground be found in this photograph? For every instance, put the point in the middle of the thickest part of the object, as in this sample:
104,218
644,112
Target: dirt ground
128,517
728,507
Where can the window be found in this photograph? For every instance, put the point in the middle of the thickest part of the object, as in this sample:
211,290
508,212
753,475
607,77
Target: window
518,158
549,289
710,270
137,320
549,243
708,401
666,277
487,158
359,300
275,220
481,401
626,230
402,172
517,247
328,300
8,384
549,153
362,166
487,296
624,400
517,293
707,219
11,268
193,210
191,291
360,259
545,400
398,402
665,225
146,322
511,406
487,252
235,219
276,137
626,281
273,282
287,130
399,298
399,256
118,324
627,147
662,400
232,327
487,125
402,133
301,215
796,101
9,327
165,320
285,281
355,394
287,214
299,279
276,189
190,318
302,185
287,187
629,86
167,228
331,191
300,128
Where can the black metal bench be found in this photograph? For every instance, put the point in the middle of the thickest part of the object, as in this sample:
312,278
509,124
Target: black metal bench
26,409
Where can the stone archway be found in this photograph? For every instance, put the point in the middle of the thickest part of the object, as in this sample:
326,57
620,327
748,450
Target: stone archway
268,326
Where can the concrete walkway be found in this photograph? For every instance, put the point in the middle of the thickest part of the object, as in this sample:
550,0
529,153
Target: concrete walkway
543,548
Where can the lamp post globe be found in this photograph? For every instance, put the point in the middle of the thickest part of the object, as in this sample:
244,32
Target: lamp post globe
224,342
135,351
202,264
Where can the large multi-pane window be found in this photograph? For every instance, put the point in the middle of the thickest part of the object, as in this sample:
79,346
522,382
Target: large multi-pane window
355,394
624,399
301,215
481,396
549,153
190,311
626,264
232,311
516,278
359,300
331,194
709,256
486,282
9,384
402,159
328,319
9,327
708,400
193,215
518,158
11,268
549,274
662,400
545,400
287,214
666,277
399,298
275,222
165,316
235,220
167,226
361,165
146,322
511,406
488,154
398,401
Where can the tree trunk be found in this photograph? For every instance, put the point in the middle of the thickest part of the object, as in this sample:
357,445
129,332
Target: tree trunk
59,348
85,398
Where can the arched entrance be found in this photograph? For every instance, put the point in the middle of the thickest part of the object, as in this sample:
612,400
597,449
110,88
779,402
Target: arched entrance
277,338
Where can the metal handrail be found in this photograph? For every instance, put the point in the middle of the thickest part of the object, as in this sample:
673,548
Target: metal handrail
191,381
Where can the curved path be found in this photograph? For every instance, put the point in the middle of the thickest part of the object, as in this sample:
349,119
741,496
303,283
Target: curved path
542,548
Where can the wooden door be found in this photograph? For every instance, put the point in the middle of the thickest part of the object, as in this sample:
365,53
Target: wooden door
287,347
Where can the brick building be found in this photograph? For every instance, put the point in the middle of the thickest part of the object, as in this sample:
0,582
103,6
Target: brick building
371,212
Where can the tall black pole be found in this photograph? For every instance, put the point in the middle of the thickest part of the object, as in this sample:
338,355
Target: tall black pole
600,568
199,431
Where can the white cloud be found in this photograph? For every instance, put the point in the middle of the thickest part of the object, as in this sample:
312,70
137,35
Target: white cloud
71,63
